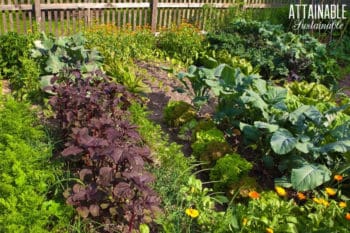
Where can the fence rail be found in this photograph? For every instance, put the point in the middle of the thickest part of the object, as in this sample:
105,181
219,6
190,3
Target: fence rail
66,16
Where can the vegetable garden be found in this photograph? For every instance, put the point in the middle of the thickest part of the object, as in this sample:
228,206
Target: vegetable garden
243,128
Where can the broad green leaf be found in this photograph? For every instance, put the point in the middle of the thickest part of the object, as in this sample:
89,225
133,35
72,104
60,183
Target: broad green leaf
297,117
309,176
304,147
192,69
45,82
312,113
36,53
54,65
228,75
263,125
260,85
255,99
283,182
209,62
250,132
282,141
342,146
275,94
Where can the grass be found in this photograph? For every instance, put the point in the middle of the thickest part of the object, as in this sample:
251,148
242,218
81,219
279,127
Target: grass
172,169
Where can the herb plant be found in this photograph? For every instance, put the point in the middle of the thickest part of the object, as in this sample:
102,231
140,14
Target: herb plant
29,199
113,185
17,66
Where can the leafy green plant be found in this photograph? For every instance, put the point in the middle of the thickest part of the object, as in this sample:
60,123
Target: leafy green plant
58,57
305,143
126,73
277,55
121,44
29,201
119,47
228,170
204,136
17,66
223,56
177,113
183,42
210,145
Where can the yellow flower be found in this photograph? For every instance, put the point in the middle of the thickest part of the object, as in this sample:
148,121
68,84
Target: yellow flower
193,213
342,204
301,196
331,192
281,191
253,194
317,200
244,221
325,203
269,230
321,201
338,178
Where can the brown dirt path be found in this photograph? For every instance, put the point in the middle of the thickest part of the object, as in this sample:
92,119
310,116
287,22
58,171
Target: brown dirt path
345,84
161,92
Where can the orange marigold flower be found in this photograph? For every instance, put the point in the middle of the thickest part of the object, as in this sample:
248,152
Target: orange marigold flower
193,213
269,230
342,204
301,196
253,194
347,216
281,191
338,178
331,191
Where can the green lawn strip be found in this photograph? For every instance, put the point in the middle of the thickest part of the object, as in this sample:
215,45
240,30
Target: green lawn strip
29,190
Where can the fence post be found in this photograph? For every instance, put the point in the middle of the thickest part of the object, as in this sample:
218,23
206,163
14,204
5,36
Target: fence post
88,15
37,13
154,15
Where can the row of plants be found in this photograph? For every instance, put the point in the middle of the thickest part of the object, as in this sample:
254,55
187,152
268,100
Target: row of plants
246,208
105,153
296,133
277,54
250,210
31,181
271,51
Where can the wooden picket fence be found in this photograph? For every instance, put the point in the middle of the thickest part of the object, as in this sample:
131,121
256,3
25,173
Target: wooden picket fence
69,16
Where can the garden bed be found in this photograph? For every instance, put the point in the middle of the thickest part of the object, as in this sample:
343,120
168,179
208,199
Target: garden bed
239,130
